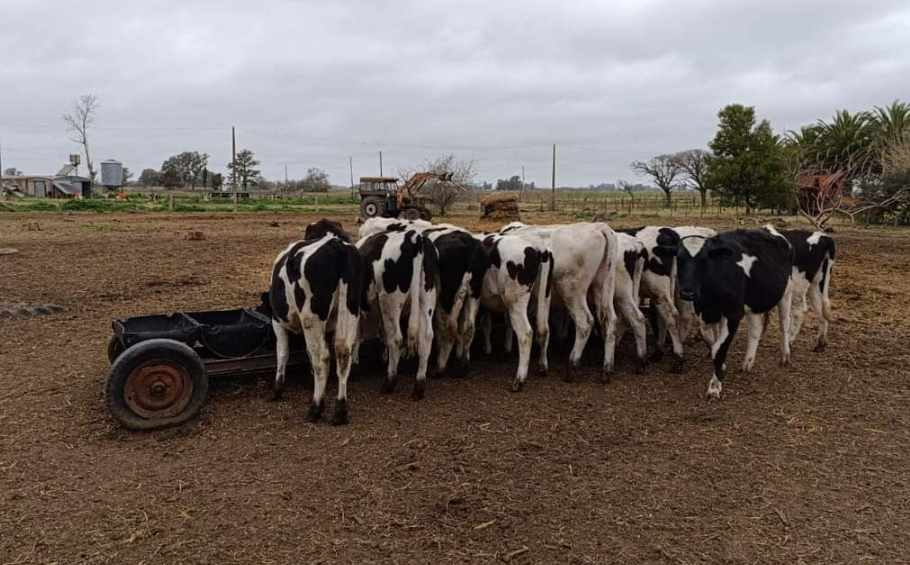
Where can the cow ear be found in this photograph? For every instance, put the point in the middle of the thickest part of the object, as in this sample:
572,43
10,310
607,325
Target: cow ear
666,251
719,253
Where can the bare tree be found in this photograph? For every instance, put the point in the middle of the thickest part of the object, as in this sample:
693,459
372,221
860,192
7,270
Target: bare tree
694,165
442,194
77,123
627,187
663,170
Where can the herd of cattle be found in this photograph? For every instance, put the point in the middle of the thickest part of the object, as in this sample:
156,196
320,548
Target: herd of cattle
414,284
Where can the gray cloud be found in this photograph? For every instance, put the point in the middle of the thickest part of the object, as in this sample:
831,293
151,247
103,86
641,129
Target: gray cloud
310,83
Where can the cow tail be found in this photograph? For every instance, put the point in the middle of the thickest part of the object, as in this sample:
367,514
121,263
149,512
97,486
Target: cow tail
543,301
636,278
417,281
610,260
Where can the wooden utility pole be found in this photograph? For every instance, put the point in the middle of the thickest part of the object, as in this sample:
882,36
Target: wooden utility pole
286,184
380,163
234,168
351,165
553,190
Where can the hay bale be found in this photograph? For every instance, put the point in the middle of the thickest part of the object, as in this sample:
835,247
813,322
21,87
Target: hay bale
500,205
195,236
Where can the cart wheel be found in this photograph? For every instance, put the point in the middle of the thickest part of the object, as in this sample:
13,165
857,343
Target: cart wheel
425,214
114,349
411,214
156,384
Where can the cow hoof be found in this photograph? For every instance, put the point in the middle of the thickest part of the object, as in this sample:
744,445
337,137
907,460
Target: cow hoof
276,395
315,412
747,366
569,375
543,371
678,363
819,347
642,366
714,389
436,374
604,377
516,386
657,354
388,386
417,393
340,417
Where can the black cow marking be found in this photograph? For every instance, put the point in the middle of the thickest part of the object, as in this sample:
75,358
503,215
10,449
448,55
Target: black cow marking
459,253
525,273
430,267
299,296
398,274
277,296
323,271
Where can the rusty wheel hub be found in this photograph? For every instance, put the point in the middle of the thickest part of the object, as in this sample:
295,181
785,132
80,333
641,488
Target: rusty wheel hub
158,389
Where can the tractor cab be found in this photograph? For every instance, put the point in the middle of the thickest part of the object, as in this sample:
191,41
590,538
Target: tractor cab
382,197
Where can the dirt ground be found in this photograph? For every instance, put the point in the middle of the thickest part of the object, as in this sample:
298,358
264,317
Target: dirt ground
809,464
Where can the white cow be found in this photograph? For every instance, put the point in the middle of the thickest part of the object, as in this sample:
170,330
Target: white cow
584,268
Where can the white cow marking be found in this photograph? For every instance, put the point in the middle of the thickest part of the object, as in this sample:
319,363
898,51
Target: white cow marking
773,231
746,263
693,244
814,239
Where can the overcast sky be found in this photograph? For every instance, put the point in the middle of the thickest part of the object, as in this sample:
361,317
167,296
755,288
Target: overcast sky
308,84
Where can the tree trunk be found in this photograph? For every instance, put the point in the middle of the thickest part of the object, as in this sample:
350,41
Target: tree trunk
704,197
667,194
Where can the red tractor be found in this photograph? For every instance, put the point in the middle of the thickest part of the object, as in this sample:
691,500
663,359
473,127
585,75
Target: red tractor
382,197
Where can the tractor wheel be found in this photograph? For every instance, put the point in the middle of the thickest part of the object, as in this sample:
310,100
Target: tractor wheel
372,208
425,214
154,384
411,214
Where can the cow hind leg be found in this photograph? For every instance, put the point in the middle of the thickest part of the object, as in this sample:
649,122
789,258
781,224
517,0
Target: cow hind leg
390,311
486,326
518,316
669,316
424,346
581,316
823,314
318,352
755,324
632,316
281,354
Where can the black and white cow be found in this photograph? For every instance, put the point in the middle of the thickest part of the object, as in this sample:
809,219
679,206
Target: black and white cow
659,285
736,274
632,256
814,254
462,265
584,268
401,277
316,284
519,278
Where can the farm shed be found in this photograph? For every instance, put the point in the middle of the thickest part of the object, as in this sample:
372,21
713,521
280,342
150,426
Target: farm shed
59,186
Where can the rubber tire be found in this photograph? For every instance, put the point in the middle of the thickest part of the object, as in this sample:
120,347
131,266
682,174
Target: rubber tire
411,214
425,214
165,349
380,208
114,349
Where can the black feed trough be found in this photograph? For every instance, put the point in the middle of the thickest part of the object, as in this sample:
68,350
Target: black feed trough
160,364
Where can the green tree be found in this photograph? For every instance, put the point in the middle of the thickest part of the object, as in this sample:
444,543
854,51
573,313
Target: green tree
512,183
246,172
749,164
150,178
187,167
127,175
217,180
